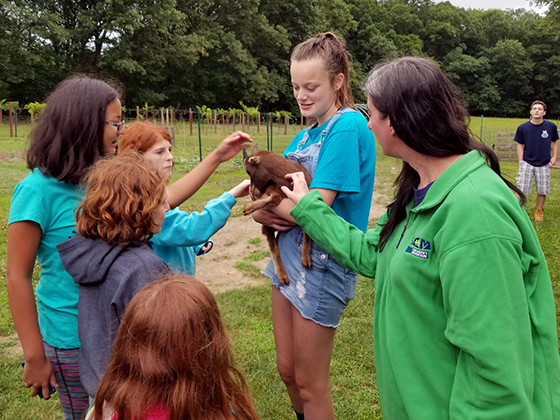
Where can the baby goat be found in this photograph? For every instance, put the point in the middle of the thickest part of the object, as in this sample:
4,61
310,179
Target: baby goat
267,171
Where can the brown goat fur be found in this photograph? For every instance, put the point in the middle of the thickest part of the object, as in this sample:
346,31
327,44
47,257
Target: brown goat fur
267,171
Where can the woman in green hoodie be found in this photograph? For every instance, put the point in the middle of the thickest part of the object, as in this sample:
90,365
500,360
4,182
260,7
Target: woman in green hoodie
464,317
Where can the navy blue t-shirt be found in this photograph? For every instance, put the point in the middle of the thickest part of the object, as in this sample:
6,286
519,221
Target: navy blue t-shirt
537,139
420,194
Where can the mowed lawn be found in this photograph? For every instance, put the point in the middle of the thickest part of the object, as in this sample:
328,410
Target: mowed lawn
247,312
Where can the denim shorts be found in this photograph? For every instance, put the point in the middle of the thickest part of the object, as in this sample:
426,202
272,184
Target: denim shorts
319,294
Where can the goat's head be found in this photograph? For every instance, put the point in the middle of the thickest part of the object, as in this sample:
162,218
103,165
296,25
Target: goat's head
251,161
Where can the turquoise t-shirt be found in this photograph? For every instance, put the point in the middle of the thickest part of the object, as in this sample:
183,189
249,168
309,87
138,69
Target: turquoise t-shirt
346,164
51,204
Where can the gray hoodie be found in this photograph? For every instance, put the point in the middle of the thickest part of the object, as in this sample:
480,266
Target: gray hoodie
108,275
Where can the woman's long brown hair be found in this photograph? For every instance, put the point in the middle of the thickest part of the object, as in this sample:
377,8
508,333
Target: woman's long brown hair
172,351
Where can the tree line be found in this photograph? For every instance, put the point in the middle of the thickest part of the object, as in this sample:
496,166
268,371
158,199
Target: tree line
183,53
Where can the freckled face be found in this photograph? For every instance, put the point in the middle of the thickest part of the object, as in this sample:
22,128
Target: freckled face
111,134
159,214
160,156
313,90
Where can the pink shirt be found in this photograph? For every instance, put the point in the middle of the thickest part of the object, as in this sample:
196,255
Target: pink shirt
156,413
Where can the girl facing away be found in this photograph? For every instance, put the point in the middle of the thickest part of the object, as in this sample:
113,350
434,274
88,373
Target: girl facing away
339,153
111,258
81,123
183,236
464,317
172,360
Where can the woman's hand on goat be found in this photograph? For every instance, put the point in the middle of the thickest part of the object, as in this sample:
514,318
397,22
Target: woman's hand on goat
300,187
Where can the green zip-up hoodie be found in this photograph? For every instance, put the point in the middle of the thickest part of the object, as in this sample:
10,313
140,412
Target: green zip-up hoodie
464,316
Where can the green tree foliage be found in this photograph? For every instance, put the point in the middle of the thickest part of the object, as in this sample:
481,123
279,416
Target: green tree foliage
185,53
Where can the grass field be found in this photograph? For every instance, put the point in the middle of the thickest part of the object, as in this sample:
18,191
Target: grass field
247,312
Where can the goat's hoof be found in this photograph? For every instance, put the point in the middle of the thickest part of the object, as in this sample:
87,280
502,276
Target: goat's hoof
283,276
306,262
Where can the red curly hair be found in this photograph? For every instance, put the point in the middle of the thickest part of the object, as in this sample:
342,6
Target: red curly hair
122,196
140,136
172,351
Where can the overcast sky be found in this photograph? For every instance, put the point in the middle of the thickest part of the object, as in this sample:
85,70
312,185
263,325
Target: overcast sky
496,4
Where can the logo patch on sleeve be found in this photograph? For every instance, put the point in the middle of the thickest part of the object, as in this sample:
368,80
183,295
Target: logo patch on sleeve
419,248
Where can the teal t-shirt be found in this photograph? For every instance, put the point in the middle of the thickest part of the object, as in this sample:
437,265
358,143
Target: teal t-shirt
51,204
346,164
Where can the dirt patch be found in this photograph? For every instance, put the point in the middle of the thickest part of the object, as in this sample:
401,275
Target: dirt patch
11,156
11,344
234,242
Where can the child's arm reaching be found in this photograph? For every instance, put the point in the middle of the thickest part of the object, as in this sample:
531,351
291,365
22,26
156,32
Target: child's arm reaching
241,190
185,187
183,229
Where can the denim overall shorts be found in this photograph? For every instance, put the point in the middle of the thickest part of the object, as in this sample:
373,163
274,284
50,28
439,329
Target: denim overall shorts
322,293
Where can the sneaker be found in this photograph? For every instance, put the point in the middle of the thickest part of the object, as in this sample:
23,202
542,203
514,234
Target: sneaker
539,215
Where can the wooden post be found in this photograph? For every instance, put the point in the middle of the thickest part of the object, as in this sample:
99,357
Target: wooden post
215,121
223,116
172,118
167,117
242,121
227,120
162,119
279,122
137,113
10,119
286,123
190,118
172,129
258,121
31,112
234,120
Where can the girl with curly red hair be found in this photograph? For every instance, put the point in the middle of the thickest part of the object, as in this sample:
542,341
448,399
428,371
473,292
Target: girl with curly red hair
111,259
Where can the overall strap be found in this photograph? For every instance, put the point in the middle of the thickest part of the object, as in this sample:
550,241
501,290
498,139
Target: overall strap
324,133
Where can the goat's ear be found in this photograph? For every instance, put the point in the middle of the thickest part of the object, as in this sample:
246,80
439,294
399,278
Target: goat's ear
245,152
254,159
255,149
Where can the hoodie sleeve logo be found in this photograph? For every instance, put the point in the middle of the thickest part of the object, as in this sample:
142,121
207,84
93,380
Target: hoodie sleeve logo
419,248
